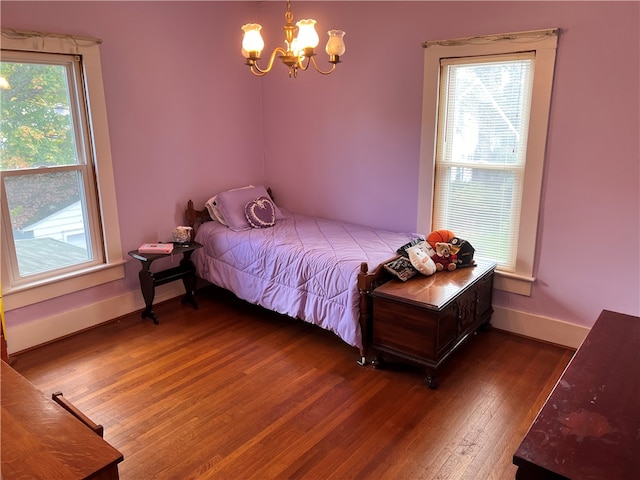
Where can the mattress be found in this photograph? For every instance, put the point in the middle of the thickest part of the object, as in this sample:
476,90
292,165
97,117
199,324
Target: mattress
304,267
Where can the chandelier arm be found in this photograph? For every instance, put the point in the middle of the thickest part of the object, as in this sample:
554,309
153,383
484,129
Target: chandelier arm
313,60
263,71
304,66
256,71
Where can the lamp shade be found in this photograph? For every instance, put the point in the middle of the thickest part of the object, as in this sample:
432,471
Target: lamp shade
335,45
252,40
307,35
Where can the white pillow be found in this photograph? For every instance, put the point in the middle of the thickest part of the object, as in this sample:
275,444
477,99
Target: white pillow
214,210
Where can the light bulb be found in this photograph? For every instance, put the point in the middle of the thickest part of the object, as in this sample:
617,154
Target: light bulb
335,45
252,40
307,35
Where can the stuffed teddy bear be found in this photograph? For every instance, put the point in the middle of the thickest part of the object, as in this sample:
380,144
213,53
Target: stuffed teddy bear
444,258
439,236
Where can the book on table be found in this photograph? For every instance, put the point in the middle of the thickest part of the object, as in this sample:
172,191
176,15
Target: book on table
159,248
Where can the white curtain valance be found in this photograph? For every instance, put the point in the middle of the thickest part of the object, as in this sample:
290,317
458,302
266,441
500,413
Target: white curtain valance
46,42
527,36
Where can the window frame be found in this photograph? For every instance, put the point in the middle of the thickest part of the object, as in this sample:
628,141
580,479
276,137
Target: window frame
544,44
21,293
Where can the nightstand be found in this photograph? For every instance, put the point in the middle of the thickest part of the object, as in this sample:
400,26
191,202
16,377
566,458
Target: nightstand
186,271
424,319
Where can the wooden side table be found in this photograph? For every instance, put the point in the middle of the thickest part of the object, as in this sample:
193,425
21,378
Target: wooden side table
186,271
424,319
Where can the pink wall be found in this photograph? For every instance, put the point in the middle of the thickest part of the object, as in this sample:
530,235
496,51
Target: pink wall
360,134
183,115
186,120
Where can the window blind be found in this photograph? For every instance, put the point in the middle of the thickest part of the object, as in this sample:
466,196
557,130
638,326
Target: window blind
483,121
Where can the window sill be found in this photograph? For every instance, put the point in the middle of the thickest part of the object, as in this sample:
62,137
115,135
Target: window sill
25,295
513,283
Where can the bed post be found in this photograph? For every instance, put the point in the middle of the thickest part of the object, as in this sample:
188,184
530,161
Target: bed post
190,215
195,218
365,311
367,282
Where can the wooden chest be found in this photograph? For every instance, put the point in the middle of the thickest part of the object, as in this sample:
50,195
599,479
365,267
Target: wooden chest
425,319
589,427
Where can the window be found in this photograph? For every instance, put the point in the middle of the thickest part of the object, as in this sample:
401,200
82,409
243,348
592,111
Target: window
481,166
59,220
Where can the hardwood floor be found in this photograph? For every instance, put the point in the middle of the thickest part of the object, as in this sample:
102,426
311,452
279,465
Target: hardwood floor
232,391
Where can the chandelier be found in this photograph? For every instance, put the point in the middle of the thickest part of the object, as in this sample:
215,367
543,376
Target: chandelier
298,53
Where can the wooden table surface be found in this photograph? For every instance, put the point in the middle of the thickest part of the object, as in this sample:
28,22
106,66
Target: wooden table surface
436,291
589,428
41,440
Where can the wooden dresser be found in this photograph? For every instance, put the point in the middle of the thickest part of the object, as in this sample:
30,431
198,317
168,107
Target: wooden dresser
424,319
589,427
41,440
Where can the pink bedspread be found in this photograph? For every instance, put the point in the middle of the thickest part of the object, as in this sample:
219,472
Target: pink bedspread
304,267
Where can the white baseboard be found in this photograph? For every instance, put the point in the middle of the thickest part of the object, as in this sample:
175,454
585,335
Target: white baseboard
44,330
540,328
48,329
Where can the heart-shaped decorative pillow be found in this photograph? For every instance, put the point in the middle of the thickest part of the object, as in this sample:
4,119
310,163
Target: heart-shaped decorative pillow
260,213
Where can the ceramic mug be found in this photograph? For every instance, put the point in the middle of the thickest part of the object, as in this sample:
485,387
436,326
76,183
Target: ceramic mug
182,234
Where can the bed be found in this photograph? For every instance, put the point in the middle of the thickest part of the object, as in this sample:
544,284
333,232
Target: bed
318,270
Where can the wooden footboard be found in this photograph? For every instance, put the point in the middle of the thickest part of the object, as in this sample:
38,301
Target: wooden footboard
367,282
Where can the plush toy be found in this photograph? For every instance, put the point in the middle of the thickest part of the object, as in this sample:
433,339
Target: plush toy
443,258
420,257
464,251
439,236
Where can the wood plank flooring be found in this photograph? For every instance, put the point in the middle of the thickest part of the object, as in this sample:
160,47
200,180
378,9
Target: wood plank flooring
231,391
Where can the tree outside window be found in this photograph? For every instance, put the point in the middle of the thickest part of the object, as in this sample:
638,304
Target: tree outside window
486,103
44,171
58,213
